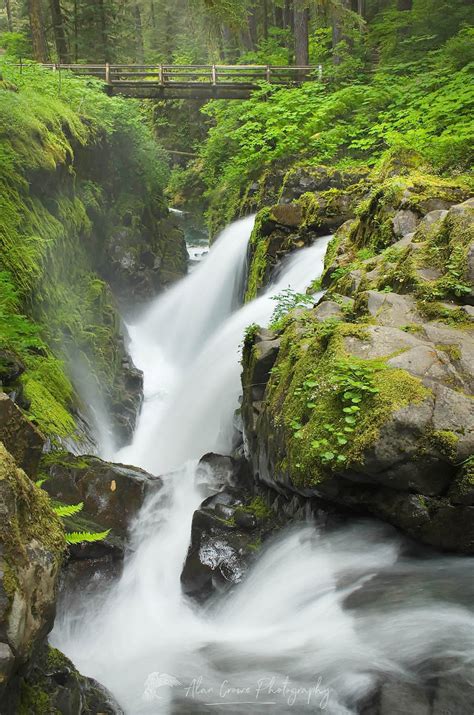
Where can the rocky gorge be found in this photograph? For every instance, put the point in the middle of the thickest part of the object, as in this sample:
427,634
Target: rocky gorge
355,404
389,334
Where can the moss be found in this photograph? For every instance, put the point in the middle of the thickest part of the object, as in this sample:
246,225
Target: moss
33,519
446,442
453,350
56,659
258,267
34,700
439,312
258,508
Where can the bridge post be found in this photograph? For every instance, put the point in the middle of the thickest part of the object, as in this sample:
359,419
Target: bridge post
107,73
160,75
214,75
268,73
320,73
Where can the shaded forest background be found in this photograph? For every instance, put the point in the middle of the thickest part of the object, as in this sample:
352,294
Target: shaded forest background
397,76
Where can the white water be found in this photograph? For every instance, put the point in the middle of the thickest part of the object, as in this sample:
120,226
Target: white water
344,608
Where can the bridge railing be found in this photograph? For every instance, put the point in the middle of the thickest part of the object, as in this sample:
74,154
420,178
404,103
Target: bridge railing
190,75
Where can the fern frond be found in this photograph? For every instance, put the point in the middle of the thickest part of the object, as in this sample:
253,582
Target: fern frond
40,482
68,509
80,537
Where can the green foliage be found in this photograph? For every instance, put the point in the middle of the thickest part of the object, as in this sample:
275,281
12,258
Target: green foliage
15,44
63,510
86,537
287,300
78,537
419,96
52,302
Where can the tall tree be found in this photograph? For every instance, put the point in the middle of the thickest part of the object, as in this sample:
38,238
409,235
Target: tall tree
139,33
404,4
338,17
59,31
104,35
301,25
38,37
8,8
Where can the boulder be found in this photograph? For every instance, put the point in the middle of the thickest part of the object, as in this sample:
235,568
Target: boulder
328,309
227,531
54,685
31,549
405,222
22,439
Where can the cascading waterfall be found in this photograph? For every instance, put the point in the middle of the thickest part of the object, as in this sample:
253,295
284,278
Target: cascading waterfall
320,617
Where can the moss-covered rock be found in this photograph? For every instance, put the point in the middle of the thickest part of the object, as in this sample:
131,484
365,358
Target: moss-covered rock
32,544
54,686
356,411
20,437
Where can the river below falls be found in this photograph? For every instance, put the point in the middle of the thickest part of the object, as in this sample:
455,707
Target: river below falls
322,617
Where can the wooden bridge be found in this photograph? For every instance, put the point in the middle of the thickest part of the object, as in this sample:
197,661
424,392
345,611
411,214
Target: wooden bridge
191,81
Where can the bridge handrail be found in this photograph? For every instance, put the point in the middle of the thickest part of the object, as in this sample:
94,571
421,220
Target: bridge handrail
114,73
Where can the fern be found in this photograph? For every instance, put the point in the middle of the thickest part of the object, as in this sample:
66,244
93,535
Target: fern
64,510
80,537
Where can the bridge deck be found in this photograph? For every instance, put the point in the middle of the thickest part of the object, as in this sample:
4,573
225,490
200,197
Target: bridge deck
191,81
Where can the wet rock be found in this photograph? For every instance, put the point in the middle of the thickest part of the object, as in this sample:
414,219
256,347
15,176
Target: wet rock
290,215
22,439
227,531
113,495
141,260
403,698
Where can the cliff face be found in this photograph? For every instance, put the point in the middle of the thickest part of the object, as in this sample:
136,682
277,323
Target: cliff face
365,400
84,231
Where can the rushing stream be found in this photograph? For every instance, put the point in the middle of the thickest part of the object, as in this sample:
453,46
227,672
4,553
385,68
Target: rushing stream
320,617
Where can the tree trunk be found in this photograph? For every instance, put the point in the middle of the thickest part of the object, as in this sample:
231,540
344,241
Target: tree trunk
338,28
103,31
301,23
279,17
58,29
360,7
8,8
139,34
265,19
404,4
38,37
76,33
251,44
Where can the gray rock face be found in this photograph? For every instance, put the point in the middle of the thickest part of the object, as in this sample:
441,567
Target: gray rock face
141,260
391,309
20,436
404,222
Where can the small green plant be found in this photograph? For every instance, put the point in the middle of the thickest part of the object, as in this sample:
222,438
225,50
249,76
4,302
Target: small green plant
287,300
83,537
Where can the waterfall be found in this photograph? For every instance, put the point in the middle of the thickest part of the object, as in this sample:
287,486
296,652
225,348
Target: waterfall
320,617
